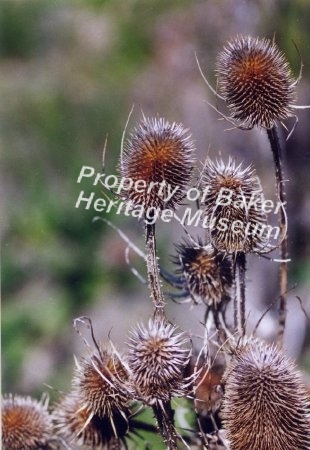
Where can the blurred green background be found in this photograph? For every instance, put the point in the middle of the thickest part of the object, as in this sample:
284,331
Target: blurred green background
70,72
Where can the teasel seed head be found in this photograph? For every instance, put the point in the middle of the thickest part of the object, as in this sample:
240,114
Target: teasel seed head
157,152
234,207
256,82
100,380
74,424
207,274
26,423
158,356
265,402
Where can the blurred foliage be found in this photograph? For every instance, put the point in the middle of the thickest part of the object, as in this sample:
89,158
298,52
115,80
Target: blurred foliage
67,72
53,123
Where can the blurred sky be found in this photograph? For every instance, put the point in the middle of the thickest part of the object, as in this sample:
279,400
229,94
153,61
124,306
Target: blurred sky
70,73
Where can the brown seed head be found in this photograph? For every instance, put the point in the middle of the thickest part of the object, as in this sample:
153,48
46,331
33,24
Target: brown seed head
256,82
100,381
158,355
234,207
157,152
265,402
207,274
75,424
26,423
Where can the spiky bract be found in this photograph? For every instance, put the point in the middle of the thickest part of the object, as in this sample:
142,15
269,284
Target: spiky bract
207,274
234,207
100,381
256,82
26,423
158,355
75,424
157,152
265,402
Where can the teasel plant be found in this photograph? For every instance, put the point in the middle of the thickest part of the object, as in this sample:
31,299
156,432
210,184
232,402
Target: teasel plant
234,197
255,81
96,412
26,423
204,276
100,411
73,425
260,401
161,154
157,359
266,404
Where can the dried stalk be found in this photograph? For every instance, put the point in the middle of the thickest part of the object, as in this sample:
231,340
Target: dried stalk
241,266
153,271
163,412
276,151
164,416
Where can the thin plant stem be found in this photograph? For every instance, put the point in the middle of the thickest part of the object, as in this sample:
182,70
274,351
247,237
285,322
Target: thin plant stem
241,264
276,151
165,421
239,301
235,298
153,271
162,411
220,325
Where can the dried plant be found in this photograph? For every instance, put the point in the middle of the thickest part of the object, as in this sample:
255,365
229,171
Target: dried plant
260,403
160,153
158,356
26,423
237,222
258,87
256,82
265,402
205,274
157,153
99,379
74,424
234,207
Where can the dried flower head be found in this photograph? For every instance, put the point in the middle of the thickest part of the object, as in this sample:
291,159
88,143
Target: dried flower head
234,207
158,156
265,402
74,424
158,355
100,380
26,423
256,82
207,274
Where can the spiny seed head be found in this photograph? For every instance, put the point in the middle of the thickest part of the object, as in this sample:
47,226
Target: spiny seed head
26,423
234,207
99,379
256,82
75,424
265,402
158,355
207,274
157,152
